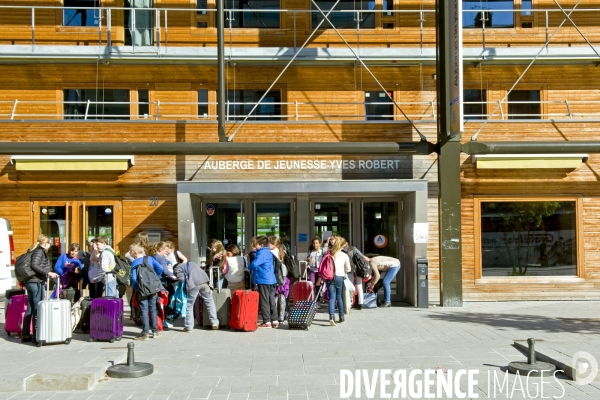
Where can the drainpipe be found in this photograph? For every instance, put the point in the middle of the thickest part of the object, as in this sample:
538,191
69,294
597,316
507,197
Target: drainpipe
221,71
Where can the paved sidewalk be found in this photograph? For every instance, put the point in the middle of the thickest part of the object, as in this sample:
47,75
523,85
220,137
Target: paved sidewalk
283,364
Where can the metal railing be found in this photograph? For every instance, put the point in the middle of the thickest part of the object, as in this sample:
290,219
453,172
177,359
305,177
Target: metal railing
566,110
157,35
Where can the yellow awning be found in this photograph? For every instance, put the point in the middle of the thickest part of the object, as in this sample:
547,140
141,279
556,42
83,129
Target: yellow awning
529,161
72,163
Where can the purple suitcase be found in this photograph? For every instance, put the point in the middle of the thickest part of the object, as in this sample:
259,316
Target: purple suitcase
106,319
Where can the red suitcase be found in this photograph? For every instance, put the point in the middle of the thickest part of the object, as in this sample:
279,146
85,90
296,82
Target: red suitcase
302,290
15,313
244,310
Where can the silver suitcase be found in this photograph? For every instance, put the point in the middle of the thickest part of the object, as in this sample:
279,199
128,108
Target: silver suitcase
53,320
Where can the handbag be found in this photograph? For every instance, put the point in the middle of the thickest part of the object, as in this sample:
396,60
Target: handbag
370,300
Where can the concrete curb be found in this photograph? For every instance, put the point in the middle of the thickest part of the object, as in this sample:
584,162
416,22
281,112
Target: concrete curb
84,379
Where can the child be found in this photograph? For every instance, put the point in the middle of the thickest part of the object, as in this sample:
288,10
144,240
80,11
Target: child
315,255
264,276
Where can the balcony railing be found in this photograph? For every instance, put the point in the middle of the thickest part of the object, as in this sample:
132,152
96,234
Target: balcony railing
563,110
30,25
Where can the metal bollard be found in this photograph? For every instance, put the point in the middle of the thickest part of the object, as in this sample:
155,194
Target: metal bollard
131,369
532,367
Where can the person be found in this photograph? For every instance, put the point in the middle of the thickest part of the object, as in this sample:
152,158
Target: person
40,264
84,258
94,271
196,282
391,266
173,255
336,285
314,257
276,247
107,263
147,303
235,267
264,276
141,239
68,267
282,292
357,280
159,252
217,258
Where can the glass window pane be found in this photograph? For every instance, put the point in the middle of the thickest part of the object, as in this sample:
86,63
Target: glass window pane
345,20
494,13
104,104
275,219
526,6
100,223
474,104
225,222
528,238
203,103
241,103
380,218
74,16
378,106
524,104
144,106
252,17
55,225
332,217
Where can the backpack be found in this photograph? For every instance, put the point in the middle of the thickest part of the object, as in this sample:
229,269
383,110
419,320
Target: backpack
363,269
327,267
122,270
280,271
147,281
291,265
23,271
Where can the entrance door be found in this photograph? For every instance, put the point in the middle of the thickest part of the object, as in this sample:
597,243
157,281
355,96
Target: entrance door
66,222
331,218
275,219
226,222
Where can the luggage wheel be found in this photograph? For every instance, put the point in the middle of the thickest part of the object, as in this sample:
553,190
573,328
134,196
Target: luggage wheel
7,332
90,340
119,338
39,343
111,340
68,341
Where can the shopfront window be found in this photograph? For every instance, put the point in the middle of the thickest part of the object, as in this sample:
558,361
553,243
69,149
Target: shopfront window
488,13
528,238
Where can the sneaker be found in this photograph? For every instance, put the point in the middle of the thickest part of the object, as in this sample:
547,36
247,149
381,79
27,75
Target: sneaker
167,324
342,320
141,337
275,324
215,327
331,320
25,339
156,335
265,325
187,330
386,305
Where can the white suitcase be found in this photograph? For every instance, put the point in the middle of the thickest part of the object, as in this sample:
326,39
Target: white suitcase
53,321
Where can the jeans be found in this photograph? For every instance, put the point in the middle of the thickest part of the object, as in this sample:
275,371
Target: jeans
148,322
358,284
335,287
111,289
209,302
35,294
189,314
387,279
268,304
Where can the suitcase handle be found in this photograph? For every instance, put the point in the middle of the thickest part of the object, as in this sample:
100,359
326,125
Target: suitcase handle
47,295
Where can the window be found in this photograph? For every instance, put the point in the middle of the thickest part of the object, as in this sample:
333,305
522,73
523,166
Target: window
378,106
139,23
252,17
528,238
494,13
144,103
202,103
76,13
241,103
474,106
524,104
345,20
104,104
526,8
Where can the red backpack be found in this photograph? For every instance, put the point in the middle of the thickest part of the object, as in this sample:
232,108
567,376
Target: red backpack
327,267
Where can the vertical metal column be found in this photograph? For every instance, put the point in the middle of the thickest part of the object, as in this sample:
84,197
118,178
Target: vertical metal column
221,70
449,89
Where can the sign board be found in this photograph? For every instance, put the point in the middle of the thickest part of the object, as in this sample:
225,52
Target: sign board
210,210
380,241
421,232
303,237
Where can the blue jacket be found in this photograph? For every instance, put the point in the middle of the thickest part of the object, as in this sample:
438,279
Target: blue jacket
66,263
134,266
262,269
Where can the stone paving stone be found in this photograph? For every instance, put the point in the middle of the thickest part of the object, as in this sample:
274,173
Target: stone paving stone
258,396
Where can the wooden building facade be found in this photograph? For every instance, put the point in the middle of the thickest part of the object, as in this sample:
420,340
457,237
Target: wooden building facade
146,72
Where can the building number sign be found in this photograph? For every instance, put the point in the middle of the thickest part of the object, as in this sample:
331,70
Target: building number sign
153,201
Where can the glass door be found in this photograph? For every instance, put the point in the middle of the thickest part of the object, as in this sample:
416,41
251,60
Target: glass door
55,220
331,218
275,219
226,222
98,219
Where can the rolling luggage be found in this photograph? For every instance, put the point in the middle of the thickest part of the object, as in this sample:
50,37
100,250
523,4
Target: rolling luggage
222,299
9,293
15,313
244,310
106,319
84,321
302,290
303,313
53,320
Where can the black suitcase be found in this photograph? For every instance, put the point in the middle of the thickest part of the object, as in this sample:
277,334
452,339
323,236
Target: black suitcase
303,312
84,322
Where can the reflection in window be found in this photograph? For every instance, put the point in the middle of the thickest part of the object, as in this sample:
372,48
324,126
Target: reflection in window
76,13
345,20
252,17
104,104
528,238
490,12
378,106
474,104
241,103
524,104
